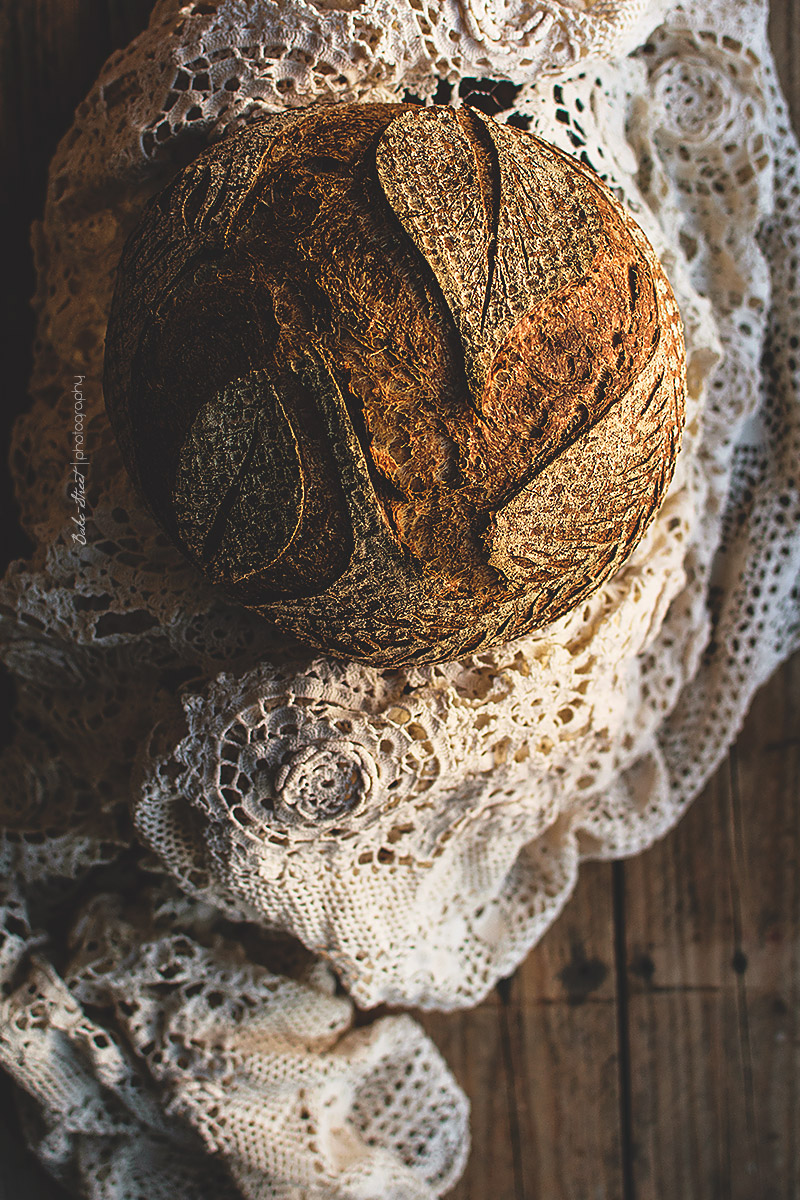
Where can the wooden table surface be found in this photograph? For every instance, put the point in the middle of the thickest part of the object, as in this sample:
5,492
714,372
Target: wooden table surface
649,1047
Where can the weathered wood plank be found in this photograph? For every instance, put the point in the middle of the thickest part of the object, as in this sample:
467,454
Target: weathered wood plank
691,1087
765,789
538,1060
712,917
476,1047
784,36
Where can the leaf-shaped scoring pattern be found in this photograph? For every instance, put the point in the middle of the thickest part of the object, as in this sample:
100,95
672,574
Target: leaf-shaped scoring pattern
500,227
240,458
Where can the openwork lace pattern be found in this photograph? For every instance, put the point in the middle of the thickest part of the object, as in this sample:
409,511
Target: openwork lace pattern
214,811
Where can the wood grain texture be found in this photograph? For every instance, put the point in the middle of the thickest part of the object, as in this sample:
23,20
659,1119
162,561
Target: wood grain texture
648,1048
539,1062
711,922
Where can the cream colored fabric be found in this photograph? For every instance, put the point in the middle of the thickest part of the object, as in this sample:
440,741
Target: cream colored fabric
200,1050
479,785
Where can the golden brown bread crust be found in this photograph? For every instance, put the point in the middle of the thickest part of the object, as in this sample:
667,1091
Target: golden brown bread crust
407,381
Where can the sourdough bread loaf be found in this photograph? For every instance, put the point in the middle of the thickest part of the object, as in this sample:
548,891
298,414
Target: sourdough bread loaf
404,380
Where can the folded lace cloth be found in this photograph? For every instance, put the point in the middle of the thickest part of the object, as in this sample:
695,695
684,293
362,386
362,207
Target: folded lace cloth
200,1047
418,828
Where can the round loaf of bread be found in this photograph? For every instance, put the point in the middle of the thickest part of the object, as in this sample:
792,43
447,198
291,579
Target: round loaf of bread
406,381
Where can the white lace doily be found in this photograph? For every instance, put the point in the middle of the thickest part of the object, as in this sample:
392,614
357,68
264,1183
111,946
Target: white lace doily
419,829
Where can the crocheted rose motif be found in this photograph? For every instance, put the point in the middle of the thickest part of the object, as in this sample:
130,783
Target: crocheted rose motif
287,768
697,98
321,783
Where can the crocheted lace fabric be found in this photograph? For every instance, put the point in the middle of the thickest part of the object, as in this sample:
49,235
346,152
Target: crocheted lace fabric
195,808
